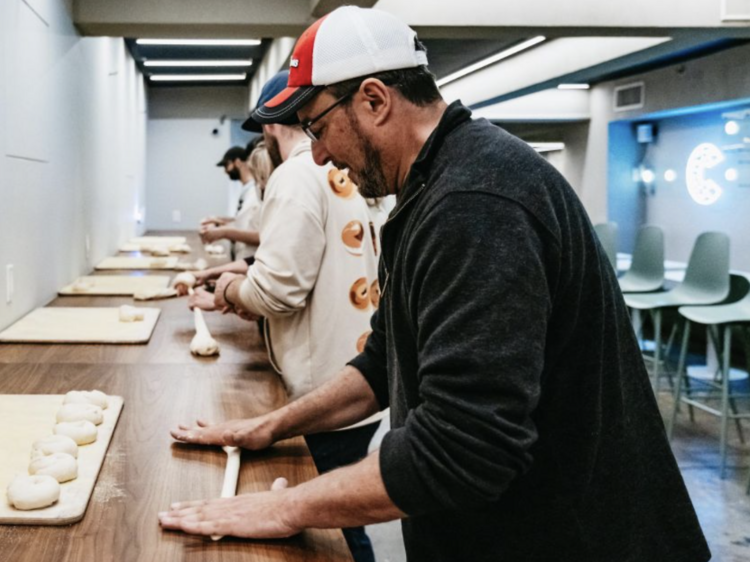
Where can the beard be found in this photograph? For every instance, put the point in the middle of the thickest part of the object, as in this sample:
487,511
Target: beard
371,178
274,153
234,175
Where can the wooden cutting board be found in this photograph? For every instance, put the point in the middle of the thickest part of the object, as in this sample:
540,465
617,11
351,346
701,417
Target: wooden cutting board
116,285
158,240
80,325
28,417
137,263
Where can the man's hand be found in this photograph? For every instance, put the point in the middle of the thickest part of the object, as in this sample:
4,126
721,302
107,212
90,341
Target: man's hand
253,433
201,299
211,234
224,291
260,515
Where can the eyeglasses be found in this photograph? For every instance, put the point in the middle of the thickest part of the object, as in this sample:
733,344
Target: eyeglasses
310,122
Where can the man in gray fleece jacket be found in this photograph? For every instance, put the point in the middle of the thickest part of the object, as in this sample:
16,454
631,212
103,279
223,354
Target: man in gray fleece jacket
523,424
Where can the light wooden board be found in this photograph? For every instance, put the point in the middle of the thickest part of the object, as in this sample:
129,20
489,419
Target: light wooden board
137,263
32,417
80,325
158,240
130,247
116,285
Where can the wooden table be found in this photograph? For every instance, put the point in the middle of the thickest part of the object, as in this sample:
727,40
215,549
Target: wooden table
145,470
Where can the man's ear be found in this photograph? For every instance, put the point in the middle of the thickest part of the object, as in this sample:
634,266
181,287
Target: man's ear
378,99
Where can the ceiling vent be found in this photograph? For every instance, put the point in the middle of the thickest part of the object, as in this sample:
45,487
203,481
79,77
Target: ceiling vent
630,96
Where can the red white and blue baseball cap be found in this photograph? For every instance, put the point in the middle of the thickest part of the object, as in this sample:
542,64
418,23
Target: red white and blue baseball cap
347,43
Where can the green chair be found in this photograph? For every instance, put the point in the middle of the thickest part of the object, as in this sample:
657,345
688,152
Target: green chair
607,234
646,273
706,282
722,322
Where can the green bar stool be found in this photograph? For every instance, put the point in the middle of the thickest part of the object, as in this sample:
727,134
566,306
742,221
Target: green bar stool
646,273
721,321
607,234
706,282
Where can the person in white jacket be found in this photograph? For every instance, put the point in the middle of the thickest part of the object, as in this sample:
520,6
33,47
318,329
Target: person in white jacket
314,279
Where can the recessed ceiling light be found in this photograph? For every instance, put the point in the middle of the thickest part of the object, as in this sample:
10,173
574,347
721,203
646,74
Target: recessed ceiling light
200,42
573,87
196,77
732,127
491,60
198,63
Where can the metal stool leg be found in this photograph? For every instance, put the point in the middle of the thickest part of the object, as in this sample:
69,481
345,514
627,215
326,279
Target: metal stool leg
657,350
680,375
725,398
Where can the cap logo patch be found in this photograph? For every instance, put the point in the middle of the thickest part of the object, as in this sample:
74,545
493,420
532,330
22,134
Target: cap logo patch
294,63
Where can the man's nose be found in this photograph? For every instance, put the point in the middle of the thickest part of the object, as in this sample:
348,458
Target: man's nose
320,154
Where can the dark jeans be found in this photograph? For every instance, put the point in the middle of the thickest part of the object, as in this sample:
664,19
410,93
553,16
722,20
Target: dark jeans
340,448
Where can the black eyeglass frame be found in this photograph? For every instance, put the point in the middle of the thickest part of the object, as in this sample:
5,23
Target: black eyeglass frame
310,122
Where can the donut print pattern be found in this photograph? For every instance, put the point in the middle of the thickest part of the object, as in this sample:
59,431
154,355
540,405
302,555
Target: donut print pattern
359,294
340,183
362,341
375,293
353,235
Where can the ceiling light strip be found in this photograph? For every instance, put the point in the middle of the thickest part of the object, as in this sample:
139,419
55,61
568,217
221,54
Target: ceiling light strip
573,86
491,60
201,42
198,63
196,77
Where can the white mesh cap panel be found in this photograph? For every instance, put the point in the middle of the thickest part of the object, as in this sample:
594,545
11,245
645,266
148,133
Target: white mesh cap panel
354,42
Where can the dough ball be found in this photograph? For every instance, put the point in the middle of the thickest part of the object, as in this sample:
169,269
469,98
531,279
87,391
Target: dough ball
358,294
204,345
82,432
215,249
79,412
33,492
159,250
61,466
82,285
54,444
154,294
131,314
180,248
95,397
156,263
200,264
184,279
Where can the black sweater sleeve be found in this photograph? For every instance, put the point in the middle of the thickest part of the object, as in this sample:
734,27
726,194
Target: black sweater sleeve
475,273
372,361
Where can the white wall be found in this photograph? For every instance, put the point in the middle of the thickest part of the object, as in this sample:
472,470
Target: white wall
183,151
722,77
72,150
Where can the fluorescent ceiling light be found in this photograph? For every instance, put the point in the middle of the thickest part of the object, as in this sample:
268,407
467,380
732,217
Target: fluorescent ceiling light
547,146
200,42
196,63
196,77
572,86
491,60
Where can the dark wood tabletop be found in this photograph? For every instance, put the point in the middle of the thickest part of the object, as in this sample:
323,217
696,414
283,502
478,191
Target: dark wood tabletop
145,470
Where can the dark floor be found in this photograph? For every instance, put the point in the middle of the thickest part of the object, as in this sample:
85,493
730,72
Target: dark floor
722,506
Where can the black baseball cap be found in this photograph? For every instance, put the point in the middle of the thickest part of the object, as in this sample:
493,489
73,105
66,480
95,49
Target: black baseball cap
270,90
234,153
